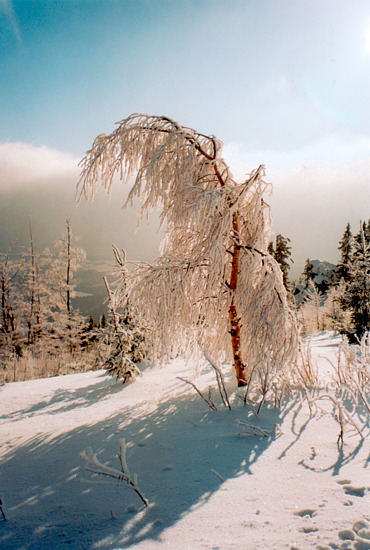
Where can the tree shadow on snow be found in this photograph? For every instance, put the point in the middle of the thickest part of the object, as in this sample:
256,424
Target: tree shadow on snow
179,451
68,399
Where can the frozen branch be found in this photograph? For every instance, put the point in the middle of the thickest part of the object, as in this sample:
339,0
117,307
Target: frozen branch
209,401
122,476
248,429
2,510
220,381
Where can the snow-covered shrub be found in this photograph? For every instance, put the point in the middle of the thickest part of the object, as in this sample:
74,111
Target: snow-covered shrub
352,372
311,311
348,391
123,342
306,368
334,316
34,364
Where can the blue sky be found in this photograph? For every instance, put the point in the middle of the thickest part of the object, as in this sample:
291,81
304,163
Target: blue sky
285,83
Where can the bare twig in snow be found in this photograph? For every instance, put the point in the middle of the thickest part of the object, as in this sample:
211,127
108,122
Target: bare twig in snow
2,509
342,415
248,429
208,399
220,381
217,474
123,477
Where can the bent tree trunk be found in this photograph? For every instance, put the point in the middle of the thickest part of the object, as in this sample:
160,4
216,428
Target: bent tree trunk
234,322
214,286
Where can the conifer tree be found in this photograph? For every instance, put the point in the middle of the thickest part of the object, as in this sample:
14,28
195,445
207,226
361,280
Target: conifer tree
123,341
307,274
214,287
271,249
367,231
35,298
345,247
282,254
358,287
335,316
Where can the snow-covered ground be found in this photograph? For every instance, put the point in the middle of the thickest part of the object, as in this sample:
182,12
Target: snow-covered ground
208,486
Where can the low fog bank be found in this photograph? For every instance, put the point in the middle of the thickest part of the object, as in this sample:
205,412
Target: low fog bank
316,191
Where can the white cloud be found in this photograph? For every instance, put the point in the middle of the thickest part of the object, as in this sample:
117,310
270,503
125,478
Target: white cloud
6,7
24,165
317,190
39,183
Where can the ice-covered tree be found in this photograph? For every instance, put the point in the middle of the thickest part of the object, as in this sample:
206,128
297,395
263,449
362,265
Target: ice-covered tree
214,287
311,311
11,333
123,341
358,287
67,323
34,295
334,315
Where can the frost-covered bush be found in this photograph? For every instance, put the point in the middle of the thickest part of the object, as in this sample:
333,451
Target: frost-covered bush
123,342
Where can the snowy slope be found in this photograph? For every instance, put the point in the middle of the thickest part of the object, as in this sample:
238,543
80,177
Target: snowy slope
208,486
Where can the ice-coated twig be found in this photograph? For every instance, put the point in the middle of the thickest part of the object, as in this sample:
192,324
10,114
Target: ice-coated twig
249,429
217,474
220,381
208,400
123,477
342,416
2,509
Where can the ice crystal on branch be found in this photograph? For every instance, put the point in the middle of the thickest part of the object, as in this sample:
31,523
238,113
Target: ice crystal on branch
215,287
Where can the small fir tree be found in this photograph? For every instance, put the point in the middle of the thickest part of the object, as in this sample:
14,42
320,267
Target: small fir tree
345,247
307,275
311,311
358,286
335,317
282,254
124,339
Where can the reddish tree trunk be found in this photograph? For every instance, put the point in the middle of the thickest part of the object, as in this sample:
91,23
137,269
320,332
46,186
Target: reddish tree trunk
233,316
